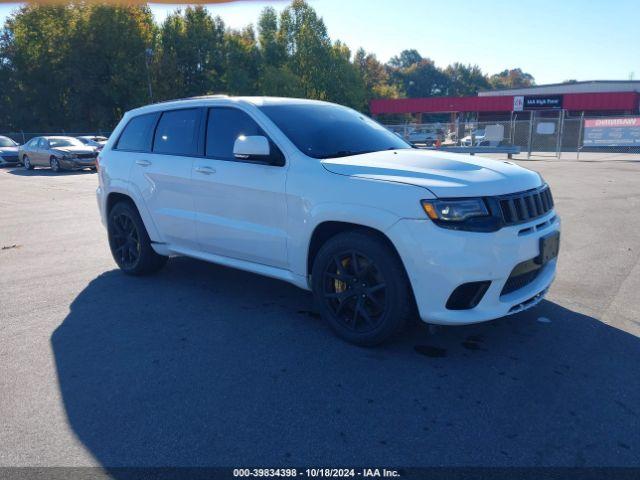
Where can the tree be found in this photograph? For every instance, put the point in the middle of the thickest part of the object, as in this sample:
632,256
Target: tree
168,75
81,66
308,48
375,77
347,86
405,59
421,79
272,46
466,79
275,74
36,46
108,59
7,82
192,54
514,78
241,62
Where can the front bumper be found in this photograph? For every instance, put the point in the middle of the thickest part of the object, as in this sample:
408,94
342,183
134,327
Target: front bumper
77,163
438,260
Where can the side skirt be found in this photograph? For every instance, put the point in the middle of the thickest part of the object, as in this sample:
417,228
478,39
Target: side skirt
258,268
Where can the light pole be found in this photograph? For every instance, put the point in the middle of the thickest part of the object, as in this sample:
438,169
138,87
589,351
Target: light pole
148,53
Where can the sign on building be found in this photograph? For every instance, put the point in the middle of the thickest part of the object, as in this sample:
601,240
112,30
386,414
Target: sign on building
612,132
543,102
518,103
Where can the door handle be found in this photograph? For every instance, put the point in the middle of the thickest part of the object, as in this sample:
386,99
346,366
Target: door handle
143,163
205,170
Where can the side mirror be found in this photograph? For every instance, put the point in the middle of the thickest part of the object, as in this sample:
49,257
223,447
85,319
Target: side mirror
252,148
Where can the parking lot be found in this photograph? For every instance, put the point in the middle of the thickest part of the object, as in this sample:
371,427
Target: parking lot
206,366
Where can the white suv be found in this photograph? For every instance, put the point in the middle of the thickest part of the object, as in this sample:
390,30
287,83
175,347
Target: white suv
325,198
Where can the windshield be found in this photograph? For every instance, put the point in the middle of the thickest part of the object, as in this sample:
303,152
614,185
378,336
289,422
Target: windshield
64,142
92,139
7,142
330,131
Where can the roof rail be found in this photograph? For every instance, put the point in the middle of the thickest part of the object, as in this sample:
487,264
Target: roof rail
198,97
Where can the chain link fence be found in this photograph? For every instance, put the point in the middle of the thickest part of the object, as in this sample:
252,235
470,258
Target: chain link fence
23,137
540,136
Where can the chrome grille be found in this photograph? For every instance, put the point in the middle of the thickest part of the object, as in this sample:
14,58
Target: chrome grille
87,155
525,206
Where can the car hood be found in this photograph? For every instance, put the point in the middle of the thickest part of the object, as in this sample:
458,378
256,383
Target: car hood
444,174
12,150
74,149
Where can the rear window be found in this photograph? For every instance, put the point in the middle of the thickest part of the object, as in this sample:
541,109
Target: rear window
136,136
177,132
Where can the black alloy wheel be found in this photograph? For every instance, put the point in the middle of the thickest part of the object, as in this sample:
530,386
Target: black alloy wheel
355,291
129,241
361,288
126,240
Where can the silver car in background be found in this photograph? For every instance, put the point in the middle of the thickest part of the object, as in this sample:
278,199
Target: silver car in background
59,153
8,152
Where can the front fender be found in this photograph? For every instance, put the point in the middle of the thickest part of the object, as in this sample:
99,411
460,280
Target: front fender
362,215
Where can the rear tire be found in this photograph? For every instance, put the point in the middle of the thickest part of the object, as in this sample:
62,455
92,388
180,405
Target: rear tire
361,288
130,243
26,163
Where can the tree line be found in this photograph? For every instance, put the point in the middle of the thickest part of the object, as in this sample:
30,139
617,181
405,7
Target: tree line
80,66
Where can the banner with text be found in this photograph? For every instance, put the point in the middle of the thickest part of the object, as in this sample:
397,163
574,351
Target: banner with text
612,132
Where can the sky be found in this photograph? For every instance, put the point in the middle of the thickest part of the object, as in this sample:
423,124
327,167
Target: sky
554,40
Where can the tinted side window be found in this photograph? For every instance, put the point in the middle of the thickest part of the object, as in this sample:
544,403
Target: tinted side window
43,143
137,134
224,126
177,132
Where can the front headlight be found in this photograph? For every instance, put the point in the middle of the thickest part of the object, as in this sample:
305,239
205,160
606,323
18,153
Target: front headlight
458,210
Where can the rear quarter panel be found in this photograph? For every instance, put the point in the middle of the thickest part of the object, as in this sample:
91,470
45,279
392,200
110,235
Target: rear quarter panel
115,177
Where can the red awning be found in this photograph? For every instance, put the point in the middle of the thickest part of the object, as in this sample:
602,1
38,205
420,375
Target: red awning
572,101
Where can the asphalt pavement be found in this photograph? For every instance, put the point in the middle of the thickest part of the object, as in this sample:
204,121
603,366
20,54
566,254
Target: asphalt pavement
202,365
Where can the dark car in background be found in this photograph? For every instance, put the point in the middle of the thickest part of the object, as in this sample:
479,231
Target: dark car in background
8,152
59,153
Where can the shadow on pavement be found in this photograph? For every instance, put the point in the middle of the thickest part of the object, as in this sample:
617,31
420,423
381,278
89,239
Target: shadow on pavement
207,366
47,172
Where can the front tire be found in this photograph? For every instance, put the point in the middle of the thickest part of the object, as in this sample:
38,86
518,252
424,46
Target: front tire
361,288
54,163
26,163
130,243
